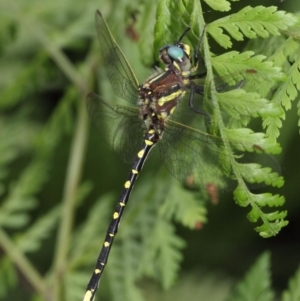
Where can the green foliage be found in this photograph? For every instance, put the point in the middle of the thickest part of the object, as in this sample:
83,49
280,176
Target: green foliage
48,66
222,5
256,285
241,104
293,291
250,22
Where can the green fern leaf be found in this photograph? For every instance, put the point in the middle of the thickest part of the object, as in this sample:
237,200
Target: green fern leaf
246,140
266,199
236,64
14,212
254,173
87,240
272,222
168,28
288,91
30,240
250,22
75,283
238,102
23,79
293,291
188,213
122,271
161,247
164,253
256,285
267,230
285,53
220,5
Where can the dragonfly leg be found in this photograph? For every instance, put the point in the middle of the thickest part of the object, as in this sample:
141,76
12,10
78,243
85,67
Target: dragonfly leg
199,90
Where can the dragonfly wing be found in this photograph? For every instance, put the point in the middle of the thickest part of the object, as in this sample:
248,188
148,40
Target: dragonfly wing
119,126
119,72
192,157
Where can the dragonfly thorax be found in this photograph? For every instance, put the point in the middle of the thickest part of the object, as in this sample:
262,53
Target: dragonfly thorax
160,95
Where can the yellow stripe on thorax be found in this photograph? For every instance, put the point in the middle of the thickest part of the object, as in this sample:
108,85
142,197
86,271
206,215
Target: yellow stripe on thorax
161,101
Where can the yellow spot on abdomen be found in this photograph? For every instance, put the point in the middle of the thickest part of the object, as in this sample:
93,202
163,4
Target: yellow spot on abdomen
116,215
134,171
97,271
127,184
122,204
106,244
141,153
148,142
88,296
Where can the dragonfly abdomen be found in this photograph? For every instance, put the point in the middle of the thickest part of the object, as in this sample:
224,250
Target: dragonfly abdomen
150,139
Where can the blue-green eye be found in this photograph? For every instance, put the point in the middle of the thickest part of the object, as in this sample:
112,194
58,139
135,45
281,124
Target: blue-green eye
175,53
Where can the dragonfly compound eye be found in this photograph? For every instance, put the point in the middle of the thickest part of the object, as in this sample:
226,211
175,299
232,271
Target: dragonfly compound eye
176,53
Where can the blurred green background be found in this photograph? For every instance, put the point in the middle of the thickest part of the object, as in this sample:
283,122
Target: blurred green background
49,62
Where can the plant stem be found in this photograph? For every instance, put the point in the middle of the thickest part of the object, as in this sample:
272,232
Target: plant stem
75,165
21,262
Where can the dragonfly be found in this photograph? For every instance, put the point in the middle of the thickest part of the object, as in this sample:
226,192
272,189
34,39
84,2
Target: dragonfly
157,116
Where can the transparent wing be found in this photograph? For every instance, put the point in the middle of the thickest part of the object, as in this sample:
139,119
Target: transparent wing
120,126
192,156
119,72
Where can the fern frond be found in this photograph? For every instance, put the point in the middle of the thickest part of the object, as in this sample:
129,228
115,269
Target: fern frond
283,96
237,103
88,238
24,79
31,240
86,242
183,206
250,22
255,173
240,105
220,5
247,140
256,284
293,291
272,222
165,248
236,65
288,91
122,272
14,210
161,255
15,207
283,52
75,283
167,27
160,250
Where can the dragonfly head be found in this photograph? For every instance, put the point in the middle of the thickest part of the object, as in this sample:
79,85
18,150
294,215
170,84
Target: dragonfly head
177,55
